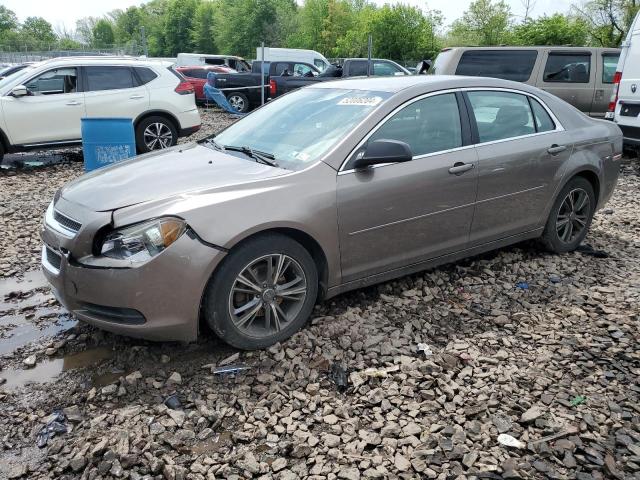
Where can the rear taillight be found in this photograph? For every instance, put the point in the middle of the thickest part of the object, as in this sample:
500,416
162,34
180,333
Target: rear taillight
614,95
184,88
272,88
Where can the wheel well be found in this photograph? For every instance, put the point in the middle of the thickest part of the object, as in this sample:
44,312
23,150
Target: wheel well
4,141
166,115
312,246
592,178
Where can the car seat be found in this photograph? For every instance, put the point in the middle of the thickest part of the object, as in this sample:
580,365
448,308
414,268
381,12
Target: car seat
511,121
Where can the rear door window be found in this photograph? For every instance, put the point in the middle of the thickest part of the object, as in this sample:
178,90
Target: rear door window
429,125
501,115
609,65
109,78
567,67
358,68
515,65
280,68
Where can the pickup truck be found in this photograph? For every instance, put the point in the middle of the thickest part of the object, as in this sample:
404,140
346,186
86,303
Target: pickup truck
243,89
351,67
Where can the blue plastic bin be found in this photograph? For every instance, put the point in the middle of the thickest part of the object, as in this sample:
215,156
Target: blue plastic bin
106,141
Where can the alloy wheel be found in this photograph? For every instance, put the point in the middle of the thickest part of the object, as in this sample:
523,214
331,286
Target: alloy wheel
236,102
573,215
267,295
157,135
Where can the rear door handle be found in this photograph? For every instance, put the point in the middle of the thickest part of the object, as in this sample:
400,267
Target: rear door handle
556,149
73,103
459,168
135,97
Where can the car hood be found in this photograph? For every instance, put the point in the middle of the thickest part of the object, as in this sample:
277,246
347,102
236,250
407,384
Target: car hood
158,175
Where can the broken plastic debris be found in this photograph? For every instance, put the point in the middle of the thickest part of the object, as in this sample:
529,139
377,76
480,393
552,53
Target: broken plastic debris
55,426
339,376
578,400
229,369
509,441
173,402
426,349
358,378
522,285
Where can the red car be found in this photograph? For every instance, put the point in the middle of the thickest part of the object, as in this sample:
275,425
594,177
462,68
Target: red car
197,76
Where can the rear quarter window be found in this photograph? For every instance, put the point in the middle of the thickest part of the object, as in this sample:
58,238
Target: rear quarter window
145,75
515,65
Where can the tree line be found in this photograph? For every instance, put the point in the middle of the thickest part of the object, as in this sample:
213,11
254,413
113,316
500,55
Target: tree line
336,28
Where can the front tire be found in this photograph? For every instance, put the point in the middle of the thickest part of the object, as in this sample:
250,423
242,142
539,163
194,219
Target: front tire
155,133
570,216
263,292
239,102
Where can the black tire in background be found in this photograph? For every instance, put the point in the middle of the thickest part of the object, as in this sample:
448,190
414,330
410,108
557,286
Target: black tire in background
221,293
155,133
239,101
556,236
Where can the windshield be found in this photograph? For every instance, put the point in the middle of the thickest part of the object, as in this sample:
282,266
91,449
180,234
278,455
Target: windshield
298,128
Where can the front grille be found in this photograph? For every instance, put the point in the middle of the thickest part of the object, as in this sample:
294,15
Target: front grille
66,222
54,259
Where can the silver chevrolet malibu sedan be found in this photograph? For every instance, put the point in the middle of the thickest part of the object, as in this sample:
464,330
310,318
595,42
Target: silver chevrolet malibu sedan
327,189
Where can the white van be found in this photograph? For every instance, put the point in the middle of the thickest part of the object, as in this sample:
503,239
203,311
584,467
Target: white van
239,64
625,102
293,55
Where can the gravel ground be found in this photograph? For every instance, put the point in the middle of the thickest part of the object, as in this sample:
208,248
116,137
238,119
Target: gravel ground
535,381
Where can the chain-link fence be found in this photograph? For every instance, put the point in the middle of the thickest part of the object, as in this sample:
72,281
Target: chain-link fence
11,55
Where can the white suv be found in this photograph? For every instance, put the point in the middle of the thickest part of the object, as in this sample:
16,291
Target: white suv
625,103
41,106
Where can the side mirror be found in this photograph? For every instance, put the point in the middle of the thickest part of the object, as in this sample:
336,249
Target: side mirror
19,91
383,151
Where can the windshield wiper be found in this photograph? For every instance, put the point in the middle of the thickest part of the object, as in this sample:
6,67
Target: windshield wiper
213,143
257,155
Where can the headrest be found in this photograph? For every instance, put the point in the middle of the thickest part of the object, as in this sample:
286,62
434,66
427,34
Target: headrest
512,115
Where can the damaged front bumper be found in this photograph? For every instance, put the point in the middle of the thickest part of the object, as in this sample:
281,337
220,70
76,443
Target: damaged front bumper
156,300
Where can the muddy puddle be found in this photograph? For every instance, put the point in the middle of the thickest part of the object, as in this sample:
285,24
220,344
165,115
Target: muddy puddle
40,158
48,370
28,312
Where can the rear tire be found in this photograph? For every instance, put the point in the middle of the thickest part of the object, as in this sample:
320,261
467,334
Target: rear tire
263,292
570,216
239,102
1,152
155,133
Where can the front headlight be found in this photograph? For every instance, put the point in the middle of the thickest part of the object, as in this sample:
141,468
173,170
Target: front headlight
143,241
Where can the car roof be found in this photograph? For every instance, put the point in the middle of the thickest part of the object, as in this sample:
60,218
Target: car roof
562,48
104,60
427,82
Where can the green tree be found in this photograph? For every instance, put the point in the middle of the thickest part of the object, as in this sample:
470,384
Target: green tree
485,23
8,20
608,20
203,33
178,26
37,33
243,24
557,29
127,25
103,36
403,33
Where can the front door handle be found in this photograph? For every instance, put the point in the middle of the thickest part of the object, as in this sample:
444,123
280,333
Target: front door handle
460,167
556,149
135,97
73,103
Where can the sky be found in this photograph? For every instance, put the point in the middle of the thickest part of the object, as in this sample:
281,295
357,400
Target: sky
66,12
